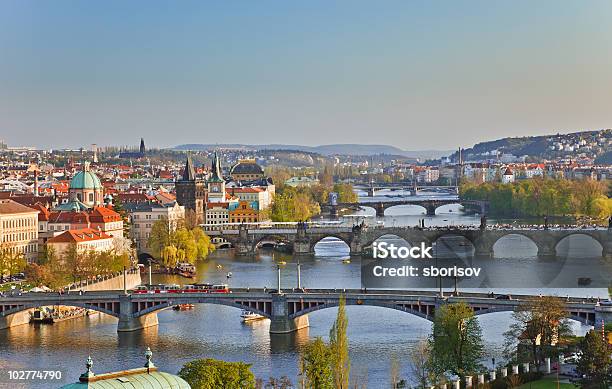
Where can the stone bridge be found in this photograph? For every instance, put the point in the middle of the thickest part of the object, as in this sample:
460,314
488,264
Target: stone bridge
287,311
430,205
303,239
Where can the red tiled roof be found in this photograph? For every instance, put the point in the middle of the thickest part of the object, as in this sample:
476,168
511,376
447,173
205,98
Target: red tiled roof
78,236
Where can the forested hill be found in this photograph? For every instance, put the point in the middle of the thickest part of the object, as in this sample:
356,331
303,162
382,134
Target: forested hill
593,144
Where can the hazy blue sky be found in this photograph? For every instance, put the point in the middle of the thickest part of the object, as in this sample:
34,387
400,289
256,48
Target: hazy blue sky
414,74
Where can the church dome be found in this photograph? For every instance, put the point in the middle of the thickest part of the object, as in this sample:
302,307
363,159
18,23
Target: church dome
247,167
85,180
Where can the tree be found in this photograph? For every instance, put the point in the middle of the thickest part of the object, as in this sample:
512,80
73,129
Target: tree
316,366
541,322
420,358
595,362
456,340
338,344
346,194
12,259
160,237
215,374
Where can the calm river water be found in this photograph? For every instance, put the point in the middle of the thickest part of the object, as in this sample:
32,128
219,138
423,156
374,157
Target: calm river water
209,331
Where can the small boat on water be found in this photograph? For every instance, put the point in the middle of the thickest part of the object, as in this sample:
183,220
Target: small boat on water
186,269
346,260
183,307
247,316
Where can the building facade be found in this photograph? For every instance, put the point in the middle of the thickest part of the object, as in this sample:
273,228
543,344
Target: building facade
19,229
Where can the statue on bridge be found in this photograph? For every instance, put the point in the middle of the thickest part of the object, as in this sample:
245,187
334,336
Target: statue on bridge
483,222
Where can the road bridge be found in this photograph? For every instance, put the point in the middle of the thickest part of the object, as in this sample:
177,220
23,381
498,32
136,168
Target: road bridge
288,309
302,239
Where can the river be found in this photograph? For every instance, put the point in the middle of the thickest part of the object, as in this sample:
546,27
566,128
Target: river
376,335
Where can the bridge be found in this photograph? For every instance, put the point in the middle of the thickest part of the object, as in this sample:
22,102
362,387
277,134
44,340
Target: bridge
430,205
302,239
406,186
288,311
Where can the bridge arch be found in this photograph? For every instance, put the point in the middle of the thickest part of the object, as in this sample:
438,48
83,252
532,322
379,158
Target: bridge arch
563,245
331,238
268,240
453,243
531,249
107,308
264,309
422,209
424,311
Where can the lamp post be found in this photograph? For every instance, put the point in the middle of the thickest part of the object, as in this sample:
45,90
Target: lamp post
150,273
278,268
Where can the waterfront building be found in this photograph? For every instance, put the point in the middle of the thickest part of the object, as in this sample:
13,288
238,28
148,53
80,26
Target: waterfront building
246,170
245,212
144,215
191,192
85,240
260,197
19,229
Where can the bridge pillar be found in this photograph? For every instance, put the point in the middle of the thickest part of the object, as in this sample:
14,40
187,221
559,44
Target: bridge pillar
371,192
16,319
380,209
607,247
302,247
280,322
546,250
483,248
128,322
431,209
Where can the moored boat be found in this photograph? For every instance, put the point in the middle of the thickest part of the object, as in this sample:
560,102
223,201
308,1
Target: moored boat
247,316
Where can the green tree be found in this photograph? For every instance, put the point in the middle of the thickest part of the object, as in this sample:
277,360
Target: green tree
316,365
541,322
346,194
595,362
456,340
338,344
215,374
159,237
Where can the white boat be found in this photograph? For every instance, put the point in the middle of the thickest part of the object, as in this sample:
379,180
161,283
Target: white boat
250,316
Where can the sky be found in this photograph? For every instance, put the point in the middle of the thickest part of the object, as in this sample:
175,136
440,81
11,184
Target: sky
413,74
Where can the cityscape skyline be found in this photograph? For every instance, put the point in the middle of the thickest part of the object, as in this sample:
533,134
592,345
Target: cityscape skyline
307,74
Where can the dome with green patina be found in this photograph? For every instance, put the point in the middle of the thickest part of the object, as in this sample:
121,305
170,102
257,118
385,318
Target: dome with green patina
149,380
85,180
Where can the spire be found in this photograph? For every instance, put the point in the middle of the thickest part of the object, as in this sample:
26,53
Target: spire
216,168
142,146
189,173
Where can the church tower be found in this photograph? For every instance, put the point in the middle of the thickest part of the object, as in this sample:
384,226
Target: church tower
190,191
216,183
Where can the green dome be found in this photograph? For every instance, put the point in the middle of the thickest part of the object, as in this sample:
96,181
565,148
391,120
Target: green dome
85,180
153,380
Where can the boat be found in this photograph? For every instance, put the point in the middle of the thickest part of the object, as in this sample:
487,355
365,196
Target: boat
247,316
346,260
183,307
186,270
282,262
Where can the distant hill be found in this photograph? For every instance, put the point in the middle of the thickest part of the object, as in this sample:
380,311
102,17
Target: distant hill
590,144
334,149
